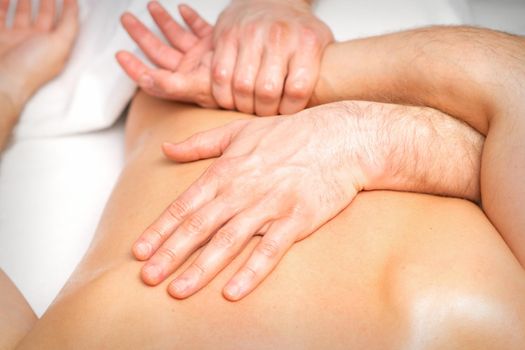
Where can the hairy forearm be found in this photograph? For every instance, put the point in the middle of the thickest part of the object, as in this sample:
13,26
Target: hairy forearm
417,149
8,118
469,73
475,75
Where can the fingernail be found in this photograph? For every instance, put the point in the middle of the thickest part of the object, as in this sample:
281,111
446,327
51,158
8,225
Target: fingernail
234,290
146,81
143,249
179,286
153,272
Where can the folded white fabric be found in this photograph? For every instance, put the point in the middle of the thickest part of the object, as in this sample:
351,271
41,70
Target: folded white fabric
93,91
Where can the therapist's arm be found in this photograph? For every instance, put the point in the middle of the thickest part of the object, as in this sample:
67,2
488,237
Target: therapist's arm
32,52
476,75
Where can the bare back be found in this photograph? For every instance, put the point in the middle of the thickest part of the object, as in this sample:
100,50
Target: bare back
393,270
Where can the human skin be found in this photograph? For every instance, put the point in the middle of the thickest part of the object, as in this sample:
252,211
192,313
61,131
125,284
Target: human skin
46,39
249,61
267,55
381,73
476,75
16,316
331,153
393,270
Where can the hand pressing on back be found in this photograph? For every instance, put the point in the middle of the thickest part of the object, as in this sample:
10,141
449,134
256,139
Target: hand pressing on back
262,57
267,56
281,177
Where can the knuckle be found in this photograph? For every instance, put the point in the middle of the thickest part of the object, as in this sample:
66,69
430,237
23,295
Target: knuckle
219,169
269,248
225,238
203,100
167,254
278,32
243,85
197,140
251,29
268,91
179,209
155,234
221,75
199,267
310,38
250,272
297,90
195,224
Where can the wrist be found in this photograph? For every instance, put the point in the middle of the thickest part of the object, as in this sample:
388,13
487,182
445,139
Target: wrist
356,70
371,149
362,149
9,114
380,140
10,106
14,94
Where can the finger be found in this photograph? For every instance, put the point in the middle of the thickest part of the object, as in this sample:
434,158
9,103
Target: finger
187,203
270,82
198,25
155,82
223,247
46,15
302,77
180,38
23,14
166,84
182,87
203,145
4,7
223,65
189,236
245,75
67,26
158,52
268,252
132,65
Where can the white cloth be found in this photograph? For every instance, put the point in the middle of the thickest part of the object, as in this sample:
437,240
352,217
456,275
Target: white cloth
52,190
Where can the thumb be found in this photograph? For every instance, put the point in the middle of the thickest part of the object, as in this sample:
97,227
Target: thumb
204,145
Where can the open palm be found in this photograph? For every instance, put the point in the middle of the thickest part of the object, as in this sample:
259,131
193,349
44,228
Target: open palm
32,52
182,71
